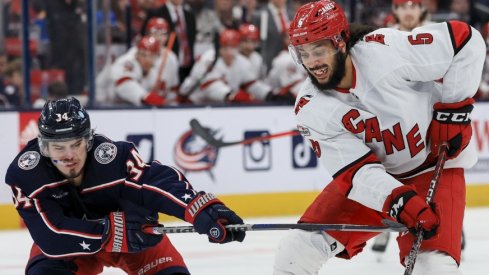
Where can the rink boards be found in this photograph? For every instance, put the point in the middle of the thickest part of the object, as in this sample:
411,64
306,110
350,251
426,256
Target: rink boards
271,178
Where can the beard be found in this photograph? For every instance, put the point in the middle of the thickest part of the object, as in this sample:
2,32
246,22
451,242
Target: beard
337,73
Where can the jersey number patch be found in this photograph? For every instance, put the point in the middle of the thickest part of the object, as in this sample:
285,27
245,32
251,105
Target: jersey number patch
20,199
421,39
135,169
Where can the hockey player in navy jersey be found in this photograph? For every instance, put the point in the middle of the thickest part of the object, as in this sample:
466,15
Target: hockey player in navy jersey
375,115
90,202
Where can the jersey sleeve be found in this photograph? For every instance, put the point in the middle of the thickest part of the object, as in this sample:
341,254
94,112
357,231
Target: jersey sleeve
356,170
452,51
50,227
155,186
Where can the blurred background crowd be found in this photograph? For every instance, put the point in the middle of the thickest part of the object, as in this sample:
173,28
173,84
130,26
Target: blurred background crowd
112,53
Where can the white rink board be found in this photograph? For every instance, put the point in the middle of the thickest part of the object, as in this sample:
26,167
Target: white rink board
259,168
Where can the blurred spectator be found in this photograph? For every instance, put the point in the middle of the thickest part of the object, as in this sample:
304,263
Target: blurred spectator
67,41
3,63
139,12
182,21
409,14
208,26
12,94
245,10
459,10
273,18
431,6
224,76
133,78
285,76
250,37
224,11
56,90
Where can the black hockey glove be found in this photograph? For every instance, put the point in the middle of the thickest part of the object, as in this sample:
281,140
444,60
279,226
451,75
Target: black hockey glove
209,216
125,232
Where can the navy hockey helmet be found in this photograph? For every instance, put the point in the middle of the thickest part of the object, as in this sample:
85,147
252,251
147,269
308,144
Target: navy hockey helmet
62,120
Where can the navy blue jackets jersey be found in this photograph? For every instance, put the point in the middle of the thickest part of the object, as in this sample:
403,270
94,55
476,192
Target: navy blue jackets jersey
65,220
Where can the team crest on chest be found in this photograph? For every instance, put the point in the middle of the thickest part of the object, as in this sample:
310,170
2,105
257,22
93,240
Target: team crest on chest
105,152
29,160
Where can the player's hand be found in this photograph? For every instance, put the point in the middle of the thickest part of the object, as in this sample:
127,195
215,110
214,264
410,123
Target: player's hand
409,208
126,233
153,99
209,216
241,96
451,123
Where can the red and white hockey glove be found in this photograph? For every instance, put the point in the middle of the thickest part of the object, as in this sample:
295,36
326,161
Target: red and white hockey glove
209,216
127,234
409,208
451,123
153,99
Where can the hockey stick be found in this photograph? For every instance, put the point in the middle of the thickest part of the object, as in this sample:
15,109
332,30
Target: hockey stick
169,46
413,253
205,134
390,226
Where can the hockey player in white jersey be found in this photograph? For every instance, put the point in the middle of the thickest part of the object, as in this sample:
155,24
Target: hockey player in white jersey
147,74
284,76
229,78
375,117
250,37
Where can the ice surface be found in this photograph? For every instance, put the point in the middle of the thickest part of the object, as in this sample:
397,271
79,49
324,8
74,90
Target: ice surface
255,255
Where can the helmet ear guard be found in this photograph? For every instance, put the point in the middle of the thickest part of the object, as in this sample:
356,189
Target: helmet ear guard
63,120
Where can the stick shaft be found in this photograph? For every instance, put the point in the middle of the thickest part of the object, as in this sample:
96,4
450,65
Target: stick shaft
394,227
413,253
169,46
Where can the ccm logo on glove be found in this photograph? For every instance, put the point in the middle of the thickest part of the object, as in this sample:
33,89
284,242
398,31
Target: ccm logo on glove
452,117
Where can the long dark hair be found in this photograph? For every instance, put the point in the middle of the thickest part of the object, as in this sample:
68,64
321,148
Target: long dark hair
357,32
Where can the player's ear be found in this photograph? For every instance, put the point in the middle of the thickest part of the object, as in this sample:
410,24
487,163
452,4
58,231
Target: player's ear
342,46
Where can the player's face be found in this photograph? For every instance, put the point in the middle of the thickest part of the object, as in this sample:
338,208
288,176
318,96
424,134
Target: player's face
409,15
160,36
69,156
228,54
325,64
146,59
248,46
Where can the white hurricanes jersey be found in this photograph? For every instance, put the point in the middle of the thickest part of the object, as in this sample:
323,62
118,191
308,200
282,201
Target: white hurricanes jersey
124,79
389,108
213,86
256,64
284,74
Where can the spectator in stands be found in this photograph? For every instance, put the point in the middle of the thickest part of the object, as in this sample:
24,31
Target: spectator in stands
250,37
67,41
276,22
409,14
56,90
459,10
12,94
3,65
224,76
208,26
245,10
182,21
224,11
